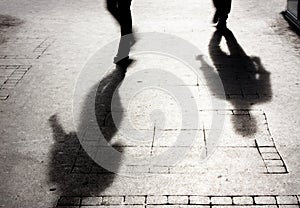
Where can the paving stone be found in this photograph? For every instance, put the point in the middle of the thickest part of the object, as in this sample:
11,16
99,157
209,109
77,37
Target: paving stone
242,200
264,200
169,138
178,199
199,200
275,169
25,66
159,169
177,206
22,70
65,201
274,162
67,206
250,206
115,206
135,200
287,200
157,200
221,200
270,156
8,85
241,112
19,72
271,149
11,81
16,76
112,200
91,201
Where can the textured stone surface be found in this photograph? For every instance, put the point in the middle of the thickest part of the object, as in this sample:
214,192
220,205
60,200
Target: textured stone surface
44,45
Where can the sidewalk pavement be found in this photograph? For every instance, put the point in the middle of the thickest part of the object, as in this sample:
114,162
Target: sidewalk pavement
253,162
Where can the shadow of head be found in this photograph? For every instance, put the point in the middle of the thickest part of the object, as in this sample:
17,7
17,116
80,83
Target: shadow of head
245,80
7,21
71,170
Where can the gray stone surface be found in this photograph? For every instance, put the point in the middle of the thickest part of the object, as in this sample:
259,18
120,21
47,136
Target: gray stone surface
44,45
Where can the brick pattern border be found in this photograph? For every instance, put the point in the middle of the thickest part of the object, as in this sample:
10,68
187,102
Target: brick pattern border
12,79
36,53
41,48
147,201
270,155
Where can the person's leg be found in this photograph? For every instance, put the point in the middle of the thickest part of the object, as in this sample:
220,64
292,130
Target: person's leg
127,38
216,16
112,7
223,8
125,17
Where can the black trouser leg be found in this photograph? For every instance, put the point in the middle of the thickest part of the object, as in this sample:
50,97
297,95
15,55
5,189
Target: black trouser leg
120,10
112,7
223,8
125,16
126,30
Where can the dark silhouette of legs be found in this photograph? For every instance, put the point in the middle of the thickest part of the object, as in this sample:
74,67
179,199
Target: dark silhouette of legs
223,8
120,10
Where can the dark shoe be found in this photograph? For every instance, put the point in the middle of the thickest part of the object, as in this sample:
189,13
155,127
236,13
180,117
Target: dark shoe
124,64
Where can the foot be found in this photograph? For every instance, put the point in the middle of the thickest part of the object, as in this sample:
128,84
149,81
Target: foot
124,64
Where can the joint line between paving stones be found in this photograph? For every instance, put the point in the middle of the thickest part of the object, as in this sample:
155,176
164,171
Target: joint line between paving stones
298,199
259,152
276,201
76,158
205,142
153,137
268,129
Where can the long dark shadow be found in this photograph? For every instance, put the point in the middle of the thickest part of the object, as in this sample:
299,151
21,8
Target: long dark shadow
246,82
71,170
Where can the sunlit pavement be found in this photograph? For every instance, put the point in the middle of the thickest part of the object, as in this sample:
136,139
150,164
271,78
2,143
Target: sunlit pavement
209,145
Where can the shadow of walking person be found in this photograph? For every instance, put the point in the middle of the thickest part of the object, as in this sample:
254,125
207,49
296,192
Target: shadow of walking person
72,172
245,80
